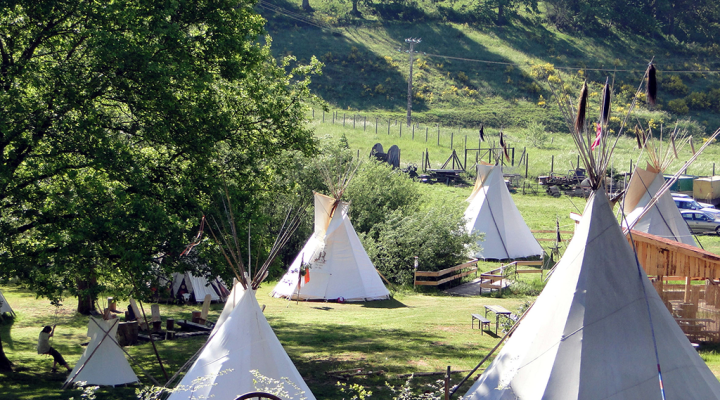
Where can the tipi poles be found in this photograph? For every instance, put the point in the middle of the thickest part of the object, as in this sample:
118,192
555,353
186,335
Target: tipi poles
152,341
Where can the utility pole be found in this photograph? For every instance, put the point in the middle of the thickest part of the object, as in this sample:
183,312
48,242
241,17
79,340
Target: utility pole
412,42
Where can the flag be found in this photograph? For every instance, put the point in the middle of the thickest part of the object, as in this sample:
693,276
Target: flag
557,229
482,133
504,147
307,275
596,143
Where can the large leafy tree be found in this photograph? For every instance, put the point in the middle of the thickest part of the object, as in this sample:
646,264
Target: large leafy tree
118,121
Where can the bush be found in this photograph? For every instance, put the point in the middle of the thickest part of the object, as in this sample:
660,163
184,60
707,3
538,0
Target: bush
676,86
678,106
376,192
436,235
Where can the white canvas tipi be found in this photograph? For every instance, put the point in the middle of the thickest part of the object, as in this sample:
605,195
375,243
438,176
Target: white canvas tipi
595,330
339,267
4,305
243,342
493,212
103,362
664,218
199,286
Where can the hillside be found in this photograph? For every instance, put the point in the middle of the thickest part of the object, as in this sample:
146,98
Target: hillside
470,70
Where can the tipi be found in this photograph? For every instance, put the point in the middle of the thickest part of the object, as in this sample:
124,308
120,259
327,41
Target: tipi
242,340
334,261
598,330
199,287
663,218
4,305
493,212
103,362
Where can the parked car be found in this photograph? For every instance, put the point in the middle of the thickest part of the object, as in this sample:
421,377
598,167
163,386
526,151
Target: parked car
700,221
690,204
685,196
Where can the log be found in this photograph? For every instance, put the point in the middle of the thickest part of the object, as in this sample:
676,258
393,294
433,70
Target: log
192,325
170,324
431,373
127,333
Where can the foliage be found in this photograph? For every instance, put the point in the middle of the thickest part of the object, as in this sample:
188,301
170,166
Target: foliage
508,323
435,233
117,121
377,191
537,134
678,106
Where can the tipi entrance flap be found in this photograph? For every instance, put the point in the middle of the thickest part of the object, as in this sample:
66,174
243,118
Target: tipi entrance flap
323,213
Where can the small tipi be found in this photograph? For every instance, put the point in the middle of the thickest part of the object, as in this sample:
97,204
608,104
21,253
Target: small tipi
5,306
242,340
199,287
335,262
103,362
492,211
663,218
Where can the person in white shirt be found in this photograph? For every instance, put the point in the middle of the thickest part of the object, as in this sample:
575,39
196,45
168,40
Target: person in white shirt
44,347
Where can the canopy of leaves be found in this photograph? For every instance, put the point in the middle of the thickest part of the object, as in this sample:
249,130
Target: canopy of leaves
117,122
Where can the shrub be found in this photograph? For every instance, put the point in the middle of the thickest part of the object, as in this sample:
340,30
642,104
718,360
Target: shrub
676,86
537,134
678,106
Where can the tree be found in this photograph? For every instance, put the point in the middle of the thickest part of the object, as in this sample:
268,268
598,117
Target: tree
504,6
118,121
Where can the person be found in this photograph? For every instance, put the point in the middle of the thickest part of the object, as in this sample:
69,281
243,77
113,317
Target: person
44,347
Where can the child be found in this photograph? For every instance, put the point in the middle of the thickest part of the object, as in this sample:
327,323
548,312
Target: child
44,348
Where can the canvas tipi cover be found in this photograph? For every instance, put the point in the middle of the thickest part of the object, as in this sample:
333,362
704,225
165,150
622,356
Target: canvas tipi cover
664,218
4,305
589,335
493,212
103,362
244,342
339,265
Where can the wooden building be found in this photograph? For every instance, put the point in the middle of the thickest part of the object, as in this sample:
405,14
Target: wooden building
687,279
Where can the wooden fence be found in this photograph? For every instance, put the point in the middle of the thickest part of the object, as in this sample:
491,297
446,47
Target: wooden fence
455,272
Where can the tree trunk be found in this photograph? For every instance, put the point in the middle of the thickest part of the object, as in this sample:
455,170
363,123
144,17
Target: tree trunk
501,14
86,298
5,364
355,11
306,6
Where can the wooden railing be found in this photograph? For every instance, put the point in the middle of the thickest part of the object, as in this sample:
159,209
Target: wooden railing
457,272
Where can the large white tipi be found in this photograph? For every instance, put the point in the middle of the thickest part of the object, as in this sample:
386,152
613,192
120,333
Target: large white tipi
664,218
339,267
598,330
103,362
591,332
492,211
242,340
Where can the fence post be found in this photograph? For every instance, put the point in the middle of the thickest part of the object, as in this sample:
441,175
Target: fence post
426,134
413,133
323,116
343,119
552,164
365,123
388,127
354,117
513,158
334,117
401,130
527,157
376,124
452,136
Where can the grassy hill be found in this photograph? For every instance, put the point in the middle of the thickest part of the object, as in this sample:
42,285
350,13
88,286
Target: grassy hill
471,71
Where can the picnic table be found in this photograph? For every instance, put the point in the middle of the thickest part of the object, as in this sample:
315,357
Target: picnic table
498,310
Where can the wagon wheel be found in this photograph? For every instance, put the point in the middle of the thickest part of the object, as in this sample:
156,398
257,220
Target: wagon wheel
257,395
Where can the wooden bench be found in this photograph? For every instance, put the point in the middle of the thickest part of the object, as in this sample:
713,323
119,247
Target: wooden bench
482,322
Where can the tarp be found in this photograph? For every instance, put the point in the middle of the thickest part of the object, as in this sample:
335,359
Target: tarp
103,362
339,265
664,218
589,335
244,342
492,211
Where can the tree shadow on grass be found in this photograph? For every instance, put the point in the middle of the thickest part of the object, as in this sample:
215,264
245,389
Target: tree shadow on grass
389,303
319,348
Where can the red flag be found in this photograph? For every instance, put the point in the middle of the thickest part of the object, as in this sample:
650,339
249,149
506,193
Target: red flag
596,143
307,275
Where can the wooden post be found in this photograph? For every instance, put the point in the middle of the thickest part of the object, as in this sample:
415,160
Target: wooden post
426,134
354,117
447,384
452,136
438,143
344,122
376,124
388,127
111,304
527,157
687,297
170,324
713,172
552,164
578,161
323,116
400,130
365,123
333,118
513,157
413,132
